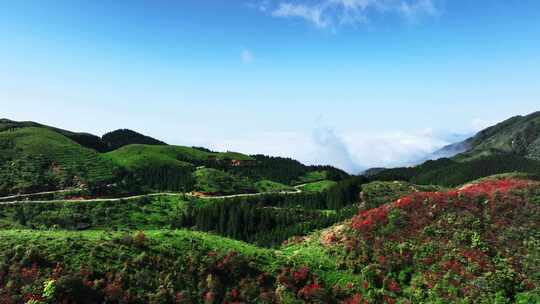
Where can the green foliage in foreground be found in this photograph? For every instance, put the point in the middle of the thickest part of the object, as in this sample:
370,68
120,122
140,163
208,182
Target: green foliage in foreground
414,253
151,267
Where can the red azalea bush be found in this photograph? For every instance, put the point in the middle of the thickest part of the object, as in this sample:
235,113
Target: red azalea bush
461,244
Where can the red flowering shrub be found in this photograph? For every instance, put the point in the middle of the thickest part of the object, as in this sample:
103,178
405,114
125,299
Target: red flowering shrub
448,240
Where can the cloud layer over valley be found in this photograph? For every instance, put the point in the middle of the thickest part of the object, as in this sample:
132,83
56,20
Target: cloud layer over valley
350,151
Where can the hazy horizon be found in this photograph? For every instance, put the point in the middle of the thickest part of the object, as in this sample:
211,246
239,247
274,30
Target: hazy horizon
350,83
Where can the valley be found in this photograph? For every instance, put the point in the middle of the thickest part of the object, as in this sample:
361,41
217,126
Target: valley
126,218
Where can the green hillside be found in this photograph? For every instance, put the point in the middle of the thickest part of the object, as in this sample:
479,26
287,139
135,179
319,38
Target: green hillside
449,172
84,139
518,135
135,168
38,159
173,224
270,186
426,247
510,146
124,137
132,154
213,181
479,244
172,168
317,186
375,194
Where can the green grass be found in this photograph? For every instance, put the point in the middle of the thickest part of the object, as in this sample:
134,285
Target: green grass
271,186
38,159
135,155
312,176
318,186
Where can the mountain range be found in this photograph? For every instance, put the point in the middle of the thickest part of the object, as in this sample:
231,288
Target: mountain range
126,218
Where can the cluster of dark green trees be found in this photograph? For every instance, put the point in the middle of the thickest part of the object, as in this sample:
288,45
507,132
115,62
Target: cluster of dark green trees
265,225
124,137
268,220
284,170
447,172
156,179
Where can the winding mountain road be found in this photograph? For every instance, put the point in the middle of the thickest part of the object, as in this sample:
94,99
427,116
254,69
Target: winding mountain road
118,199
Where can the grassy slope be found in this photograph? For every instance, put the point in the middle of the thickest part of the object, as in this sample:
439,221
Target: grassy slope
84,139
271,186
313,176
35,159
132,155
318,186
138,156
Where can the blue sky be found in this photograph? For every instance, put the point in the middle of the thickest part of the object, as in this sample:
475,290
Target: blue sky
353,83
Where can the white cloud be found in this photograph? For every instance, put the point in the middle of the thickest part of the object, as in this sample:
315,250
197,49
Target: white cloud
419,8
312,14
330,148
246,56
331,13
390,149
350,151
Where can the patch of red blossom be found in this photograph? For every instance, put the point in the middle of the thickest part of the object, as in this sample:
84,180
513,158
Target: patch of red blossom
179,297
30,274
234,294
356,299
477,257
389,300
393,286
309,290
367,220
492,186
301,274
